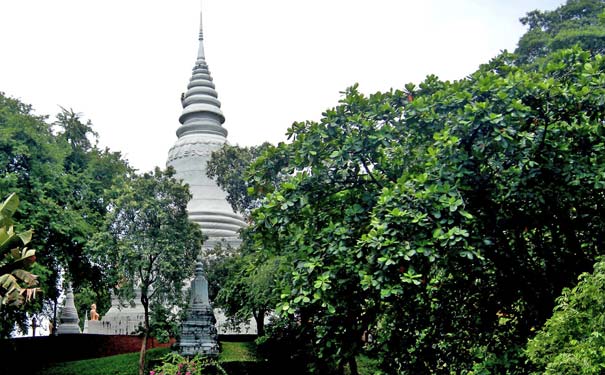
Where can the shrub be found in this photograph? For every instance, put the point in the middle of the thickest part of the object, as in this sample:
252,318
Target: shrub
175,364
573,341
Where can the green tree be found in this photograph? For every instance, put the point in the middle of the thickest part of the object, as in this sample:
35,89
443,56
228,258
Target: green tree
64,183
244,282
572,340
31,160
444,218
228,166
579,22
149,243
250,287
90,175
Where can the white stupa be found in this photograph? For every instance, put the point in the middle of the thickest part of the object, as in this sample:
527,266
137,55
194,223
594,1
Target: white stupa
201,132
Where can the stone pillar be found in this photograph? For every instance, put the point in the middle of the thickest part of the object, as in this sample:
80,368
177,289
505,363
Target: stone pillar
69,320
199,334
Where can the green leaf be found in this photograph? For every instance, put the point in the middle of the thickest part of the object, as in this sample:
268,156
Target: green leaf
8,209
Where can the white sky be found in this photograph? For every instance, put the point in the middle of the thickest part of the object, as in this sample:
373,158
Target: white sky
124,63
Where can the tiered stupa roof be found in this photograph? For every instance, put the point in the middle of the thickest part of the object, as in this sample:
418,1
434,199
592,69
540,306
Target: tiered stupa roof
201,132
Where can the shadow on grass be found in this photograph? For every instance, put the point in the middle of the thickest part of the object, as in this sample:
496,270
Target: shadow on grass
236,358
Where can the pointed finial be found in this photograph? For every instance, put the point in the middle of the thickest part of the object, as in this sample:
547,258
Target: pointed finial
200,54
199,266
201,28
201,108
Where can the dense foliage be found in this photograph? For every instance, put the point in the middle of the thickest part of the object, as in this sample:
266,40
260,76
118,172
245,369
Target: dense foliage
148,243
443,219
227,167
244,283
249,286
572,340
175,364
577,22
64,182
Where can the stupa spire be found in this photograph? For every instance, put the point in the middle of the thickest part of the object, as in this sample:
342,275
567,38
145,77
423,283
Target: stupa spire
201,133
201,108
200,53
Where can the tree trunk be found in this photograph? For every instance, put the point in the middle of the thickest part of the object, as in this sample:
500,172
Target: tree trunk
145,335
260,323
142,354
53,331
353,366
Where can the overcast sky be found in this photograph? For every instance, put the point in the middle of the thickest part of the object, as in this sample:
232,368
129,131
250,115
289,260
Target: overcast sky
124,63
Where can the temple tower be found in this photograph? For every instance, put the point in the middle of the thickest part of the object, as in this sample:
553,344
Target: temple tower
69,320
200,133
199,335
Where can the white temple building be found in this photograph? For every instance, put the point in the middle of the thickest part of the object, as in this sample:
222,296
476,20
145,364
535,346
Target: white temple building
200,133
121,319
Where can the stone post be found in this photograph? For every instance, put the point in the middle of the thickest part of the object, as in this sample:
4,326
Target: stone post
69,320
199,334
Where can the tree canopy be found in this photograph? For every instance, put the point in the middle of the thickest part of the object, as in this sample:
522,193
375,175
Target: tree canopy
577,22
248,287
64,182
444,219
149,243
572,340
228,166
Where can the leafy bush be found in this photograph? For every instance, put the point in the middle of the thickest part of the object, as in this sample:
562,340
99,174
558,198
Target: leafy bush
175,364
445,218
572,340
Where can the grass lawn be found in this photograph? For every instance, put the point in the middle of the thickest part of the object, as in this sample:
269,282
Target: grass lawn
127,364
122,364
237,351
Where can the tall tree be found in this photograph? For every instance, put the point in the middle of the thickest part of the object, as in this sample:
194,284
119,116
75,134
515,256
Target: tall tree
64,183
90,175
149,243
228,166
245,282
579,22
249,286
31,166
445,218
